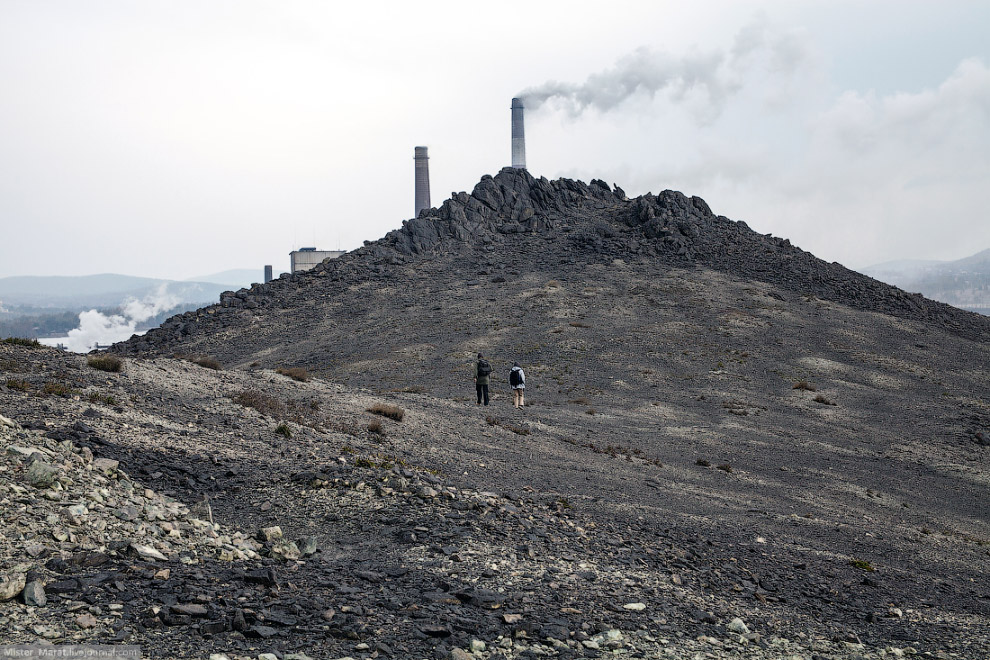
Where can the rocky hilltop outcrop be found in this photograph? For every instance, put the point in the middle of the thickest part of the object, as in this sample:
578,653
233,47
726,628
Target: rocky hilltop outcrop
513,224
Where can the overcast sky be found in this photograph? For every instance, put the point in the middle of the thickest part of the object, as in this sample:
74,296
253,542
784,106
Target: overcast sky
173,139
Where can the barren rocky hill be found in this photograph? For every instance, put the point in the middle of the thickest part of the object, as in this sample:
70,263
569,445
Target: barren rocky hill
730,449
483,272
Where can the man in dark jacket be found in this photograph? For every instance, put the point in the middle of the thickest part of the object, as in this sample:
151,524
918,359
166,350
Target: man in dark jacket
482,376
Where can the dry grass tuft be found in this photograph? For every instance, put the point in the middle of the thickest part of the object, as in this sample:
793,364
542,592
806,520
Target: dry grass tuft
205,361
263,403
703,463
410,389
386,410
110,363
821,399
295,373
491,421
376,426
804,385
724,467
578,324
521,430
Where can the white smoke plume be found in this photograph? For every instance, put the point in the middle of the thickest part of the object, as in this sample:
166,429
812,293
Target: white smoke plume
98,328
714,76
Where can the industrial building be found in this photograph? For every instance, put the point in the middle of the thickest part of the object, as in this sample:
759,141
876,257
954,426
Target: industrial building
307,257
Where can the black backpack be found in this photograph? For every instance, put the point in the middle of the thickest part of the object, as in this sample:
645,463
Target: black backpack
514,378
484,368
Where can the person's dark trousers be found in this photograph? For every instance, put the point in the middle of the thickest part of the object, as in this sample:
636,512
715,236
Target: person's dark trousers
482,391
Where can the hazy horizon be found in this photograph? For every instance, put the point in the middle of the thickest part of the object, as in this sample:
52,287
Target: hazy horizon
170,139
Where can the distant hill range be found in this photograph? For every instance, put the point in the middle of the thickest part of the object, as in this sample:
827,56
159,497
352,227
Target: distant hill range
65,293
50,306
964,283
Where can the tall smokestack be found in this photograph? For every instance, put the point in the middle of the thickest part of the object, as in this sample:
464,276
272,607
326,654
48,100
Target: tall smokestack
518,136
422,180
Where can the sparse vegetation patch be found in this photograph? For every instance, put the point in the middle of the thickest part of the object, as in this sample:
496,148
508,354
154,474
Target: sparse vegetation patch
105,399
804,385
283,430
821,399
375,426
21,341
862,565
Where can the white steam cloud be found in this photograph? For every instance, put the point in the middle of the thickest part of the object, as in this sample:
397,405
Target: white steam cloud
97,328
708,79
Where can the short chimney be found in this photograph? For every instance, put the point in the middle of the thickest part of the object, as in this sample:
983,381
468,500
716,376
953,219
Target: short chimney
422,180
268,274
518,136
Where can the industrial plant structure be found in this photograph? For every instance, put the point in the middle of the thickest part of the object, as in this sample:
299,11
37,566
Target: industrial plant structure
307,257
422,180
518,135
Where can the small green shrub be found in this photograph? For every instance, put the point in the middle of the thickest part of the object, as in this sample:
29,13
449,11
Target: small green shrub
21,341
862,564
386,410
110,363
283,430
295,373
55,388
19,385
106,399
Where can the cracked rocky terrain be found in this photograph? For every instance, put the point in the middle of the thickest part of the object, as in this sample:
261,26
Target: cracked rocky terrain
730,449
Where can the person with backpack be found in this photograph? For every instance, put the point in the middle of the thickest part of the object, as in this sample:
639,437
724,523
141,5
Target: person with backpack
517,381
482,376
